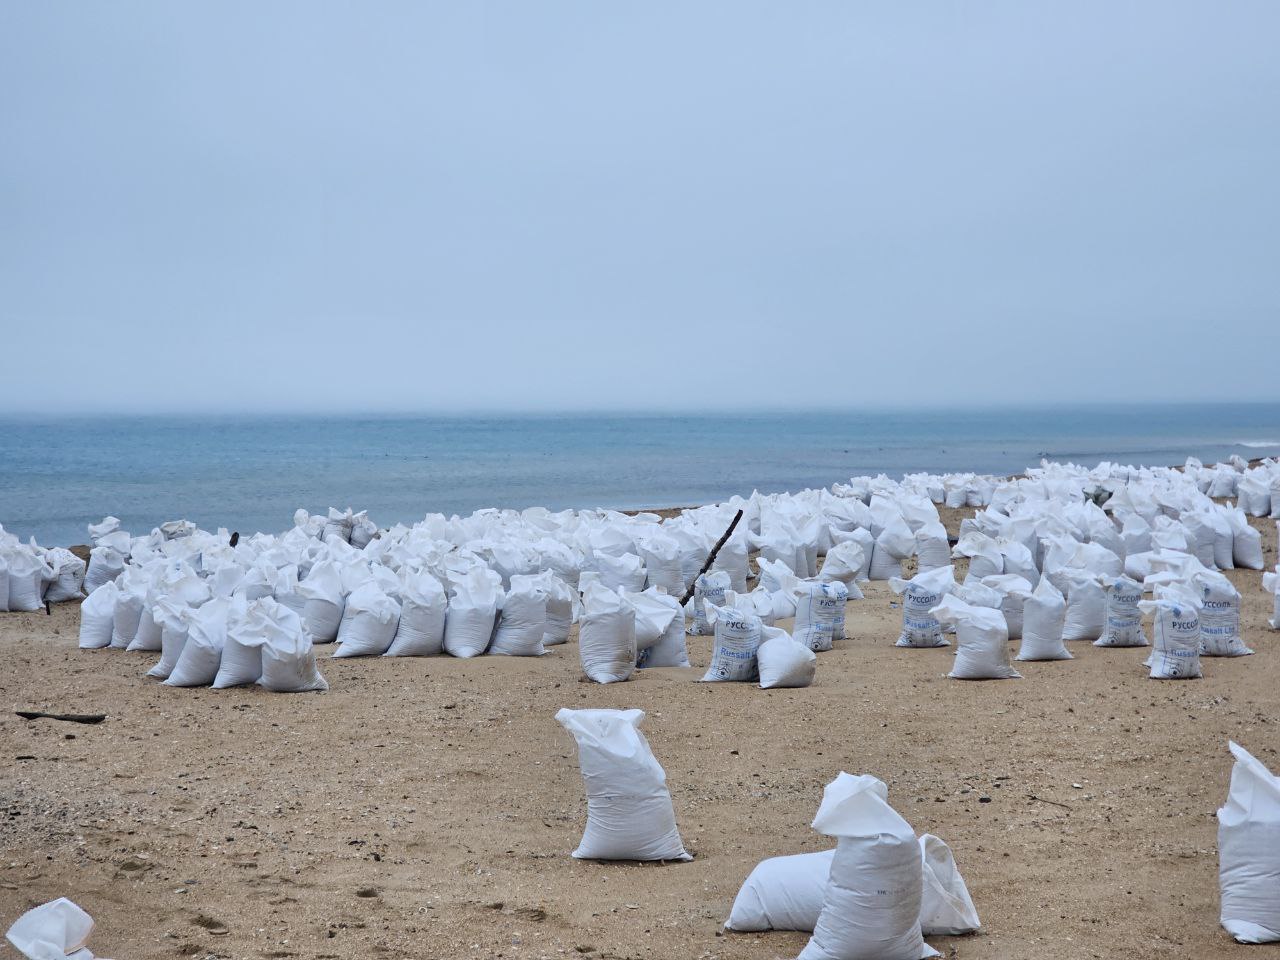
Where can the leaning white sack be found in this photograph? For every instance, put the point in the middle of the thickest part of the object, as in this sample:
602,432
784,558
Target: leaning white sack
782,893
920,594
708,588
871,908
559,602
1043,615
946,909
783,661
288,656
1176,650
844,562
174,618
57,930
1014,591
97,617
369,622
670,650
629,812
68,573
1124,619
473,609
982,641
129,603
423,607
733,652
1249,851
606,635
654,613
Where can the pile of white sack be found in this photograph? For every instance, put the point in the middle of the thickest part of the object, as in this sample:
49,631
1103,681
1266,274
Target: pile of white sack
32,575
877,893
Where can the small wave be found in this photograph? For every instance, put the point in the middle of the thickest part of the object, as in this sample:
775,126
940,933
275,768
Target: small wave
1258,443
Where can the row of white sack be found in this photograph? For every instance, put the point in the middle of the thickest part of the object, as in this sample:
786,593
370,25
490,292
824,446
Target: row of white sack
1193,616
630,817
224,642
1218,537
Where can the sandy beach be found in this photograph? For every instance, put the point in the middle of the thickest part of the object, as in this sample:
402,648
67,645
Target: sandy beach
426,808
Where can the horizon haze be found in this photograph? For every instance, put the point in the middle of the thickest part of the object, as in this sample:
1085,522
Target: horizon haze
441,208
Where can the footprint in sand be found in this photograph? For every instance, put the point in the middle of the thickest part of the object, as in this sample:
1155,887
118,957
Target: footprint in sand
215,927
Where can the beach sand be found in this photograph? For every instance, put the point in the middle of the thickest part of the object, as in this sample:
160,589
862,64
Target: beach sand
427,807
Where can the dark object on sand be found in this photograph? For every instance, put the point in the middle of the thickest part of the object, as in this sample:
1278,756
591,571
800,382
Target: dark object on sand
711,557
69,717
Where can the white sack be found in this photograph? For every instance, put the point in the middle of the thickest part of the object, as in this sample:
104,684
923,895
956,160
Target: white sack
473,609
57,930
97,617
1219,617
606,635
670,649
920,594
982,641
522,622
1086,615
322,611
288,656
946,909
819,613
733,652
1176,650
423,608
629,811
1124,619
782,893
1043,616
709,588
784,662
369,622
1249,851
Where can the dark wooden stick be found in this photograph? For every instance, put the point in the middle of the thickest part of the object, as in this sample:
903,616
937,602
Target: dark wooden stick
70,717
711,557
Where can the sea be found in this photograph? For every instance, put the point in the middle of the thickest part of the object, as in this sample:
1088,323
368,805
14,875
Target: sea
250,473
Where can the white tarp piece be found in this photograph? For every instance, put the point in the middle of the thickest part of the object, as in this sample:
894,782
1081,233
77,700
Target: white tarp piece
606,635
1176,651
871,907
57,930
733,652
97,617
1043,615
1249,851
1219,616
982,641
920,594
1124,619
783,661
473,610
423,607
369,622
819,613
629,811
708,588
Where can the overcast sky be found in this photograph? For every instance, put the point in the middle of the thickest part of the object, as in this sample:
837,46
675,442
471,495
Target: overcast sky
693,205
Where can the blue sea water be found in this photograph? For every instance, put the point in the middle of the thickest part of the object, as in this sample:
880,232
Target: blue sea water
251,473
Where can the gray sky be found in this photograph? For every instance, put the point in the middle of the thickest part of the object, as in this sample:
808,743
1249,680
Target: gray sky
415,206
